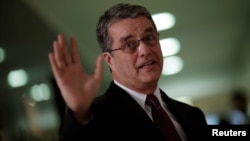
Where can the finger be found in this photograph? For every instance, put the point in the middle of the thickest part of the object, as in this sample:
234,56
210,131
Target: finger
53,64
58,55
66,55
98,68
75,52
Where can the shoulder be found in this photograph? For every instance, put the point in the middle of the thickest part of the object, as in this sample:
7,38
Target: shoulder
181,104
100,102
171,102
186,108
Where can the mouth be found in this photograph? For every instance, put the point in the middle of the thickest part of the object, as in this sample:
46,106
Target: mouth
147,64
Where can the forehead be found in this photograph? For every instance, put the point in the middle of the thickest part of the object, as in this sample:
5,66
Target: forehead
130,26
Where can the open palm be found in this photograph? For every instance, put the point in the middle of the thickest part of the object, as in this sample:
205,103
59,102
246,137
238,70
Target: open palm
77,87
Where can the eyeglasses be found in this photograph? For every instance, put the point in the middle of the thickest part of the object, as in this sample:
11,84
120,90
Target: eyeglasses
131,45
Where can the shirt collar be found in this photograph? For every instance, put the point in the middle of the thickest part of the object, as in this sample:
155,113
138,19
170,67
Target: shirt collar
140,98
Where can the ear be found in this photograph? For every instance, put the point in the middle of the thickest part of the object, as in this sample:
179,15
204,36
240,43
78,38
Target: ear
109,59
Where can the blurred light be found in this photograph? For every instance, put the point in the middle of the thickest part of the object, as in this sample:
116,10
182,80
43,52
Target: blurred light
32,103
163,21
169,46
2,55
212,119
40,92
172,65
185,99
17,78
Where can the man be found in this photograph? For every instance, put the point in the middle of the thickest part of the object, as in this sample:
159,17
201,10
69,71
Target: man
130,46
238,114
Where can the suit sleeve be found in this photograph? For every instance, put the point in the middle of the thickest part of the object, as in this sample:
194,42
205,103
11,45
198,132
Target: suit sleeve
71,130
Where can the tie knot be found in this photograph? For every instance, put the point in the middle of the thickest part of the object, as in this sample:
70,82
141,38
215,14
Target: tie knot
152,101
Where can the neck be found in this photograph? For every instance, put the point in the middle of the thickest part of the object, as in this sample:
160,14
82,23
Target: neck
141,88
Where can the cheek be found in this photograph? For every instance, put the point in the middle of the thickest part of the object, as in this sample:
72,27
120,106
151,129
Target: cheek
128,64
123,63
159,52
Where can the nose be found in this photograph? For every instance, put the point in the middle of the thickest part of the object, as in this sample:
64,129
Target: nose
144,49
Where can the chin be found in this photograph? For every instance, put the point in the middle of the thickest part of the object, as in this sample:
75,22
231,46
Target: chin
147,79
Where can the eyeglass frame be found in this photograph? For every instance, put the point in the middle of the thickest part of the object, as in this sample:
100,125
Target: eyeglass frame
155,34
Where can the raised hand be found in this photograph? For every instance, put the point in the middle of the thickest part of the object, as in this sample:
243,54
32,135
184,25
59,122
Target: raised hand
77,87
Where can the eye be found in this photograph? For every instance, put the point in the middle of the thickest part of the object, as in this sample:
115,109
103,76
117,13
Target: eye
130,44
149,38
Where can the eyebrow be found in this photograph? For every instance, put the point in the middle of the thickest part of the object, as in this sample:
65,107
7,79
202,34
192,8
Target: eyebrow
147,30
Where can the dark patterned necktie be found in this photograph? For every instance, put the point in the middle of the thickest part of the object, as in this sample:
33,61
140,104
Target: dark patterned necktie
162,120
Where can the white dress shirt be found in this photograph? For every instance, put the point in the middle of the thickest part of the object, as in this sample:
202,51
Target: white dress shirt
140,98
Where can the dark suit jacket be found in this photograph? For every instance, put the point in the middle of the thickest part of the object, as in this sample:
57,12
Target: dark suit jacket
117,116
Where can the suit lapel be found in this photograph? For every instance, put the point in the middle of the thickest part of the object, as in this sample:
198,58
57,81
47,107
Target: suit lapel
176,111
132,113
124,101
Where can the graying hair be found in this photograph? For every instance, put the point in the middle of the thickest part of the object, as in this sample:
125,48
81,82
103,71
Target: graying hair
117,12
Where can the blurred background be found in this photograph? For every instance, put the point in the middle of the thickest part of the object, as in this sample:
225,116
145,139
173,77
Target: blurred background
206,47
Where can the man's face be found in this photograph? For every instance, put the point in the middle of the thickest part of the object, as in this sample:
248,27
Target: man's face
140,67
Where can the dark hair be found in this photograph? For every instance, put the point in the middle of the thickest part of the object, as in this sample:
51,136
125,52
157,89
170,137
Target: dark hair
239,95
117,12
